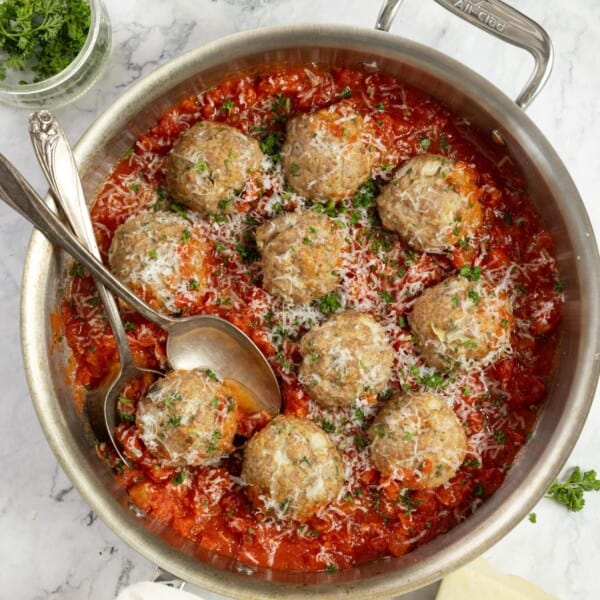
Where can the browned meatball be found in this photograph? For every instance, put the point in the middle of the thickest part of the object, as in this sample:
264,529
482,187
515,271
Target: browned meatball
188,418
209,165
300,252
329,153
293,467
417,438
458,322
345,358
432,202
160,256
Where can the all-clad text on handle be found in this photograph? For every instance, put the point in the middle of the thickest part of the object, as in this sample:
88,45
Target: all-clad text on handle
502,21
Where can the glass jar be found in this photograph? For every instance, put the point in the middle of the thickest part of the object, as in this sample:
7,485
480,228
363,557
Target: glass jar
73,81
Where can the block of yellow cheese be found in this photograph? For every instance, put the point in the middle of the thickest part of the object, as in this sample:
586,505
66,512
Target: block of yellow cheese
480,581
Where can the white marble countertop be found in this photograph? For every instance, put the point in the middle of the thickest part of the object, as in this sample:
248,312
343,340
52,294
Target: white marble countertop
51,544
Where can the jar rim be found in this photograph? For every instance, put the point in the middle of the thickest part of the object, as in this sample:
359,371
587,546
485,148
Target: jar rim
77,64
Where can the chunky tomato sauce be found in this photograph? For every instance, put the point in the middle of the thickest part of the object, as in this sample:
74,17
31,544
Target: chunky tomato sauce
498,405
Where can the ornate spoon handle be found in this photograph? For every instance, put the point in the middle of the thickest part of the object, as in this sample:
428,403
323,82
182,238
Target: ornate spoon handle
58,163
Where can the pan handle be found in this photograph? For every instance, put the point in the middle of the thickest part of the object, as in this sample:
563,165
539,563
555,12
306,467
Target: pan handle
502,21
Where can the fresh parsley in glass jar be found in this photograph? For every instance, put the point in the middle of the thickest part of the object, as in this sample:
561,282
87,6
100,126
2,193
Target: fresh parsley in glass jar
51,51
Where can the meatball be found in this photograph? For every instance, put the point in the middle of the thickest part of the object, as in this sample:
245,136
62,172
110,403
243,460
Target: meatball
458,323
432,202
418,438
292,467
329,153
300,254
209,165
160,257
188,418
347,357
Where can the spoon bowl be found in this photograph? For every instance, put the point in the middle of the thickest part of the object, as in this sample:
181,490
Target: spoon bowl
206,341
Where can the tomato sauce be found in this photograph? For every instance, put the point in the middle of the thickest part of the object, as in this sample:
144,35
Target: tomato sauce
498,405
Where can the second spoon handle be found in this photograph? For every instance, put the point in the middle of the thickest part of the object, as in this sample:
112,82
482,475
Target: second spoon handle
19,195
58,163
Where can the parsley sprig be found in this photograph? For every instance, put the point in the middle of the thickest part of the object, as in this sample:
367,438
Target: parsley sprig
42,35
570,492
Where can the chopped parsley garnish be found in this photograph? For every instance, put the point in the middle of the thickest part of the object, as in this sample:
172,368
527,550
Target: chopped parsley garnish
45,35
500,437
326,425
435,380
532,517
478,490
330,208
211,374
175,420
360,441
282,104
176,208
444,142
223,205
271,143
248,250
295,168
425,143
559,286
406,499
330,303
365,195
465,243
77,270
386,296
128,326
474,296
178,478
385,395
379,430
346,93
570,492
471,273
228,106
129,417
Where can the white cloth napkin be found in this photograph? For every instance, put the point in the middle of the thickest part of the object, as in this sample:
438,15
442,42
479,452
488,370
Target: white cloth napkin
147,590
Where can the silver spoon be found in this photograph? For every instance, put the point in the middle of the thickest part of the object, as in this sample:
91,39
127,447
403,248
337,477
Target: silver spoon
56,159
201,341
